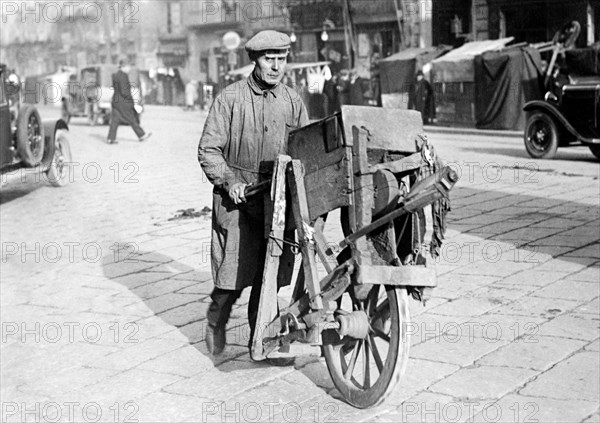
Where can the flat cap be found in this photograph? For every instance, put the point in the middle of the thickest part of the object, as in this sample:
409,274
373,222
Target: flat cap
268,40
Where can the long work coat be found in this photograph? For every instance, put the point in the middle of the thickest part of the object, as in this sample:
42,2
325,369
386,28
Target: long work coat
122,101
246,129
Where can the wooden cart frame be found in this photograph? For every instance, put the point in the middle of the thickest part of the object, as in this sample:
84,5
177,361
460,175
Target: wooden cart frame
357,314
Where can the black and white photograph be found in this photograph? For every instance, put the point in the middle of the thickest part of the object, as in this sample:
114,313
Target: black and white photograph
293,211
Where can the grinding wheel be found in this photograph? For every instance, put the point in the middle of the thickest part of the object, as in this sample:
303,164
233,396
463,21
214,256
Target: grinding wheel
386,192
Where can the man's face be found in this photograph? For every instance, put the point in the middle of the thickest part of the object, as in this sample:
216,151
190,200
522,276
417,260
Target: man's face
419,77
126,68
270,67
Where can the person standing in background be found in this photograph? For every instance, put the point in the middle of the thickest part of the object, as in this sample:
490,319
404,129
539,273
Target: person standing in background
191,91
421,98
343,87
332,103
357,97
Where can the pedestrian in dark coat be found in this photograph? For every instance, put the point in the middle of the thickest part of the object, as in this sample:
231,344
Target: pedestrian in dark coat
332,104
343,88
122,106
421,98
246,129
357,97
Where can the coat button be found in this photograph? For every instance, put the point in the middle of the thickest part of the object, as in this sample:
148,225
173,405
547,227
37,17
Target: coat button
265,94
266,128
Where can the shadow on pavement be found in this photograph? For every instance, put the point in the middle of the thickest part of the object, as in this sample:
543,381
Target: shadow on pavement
533,229
180,296
9,194
542,226
566,153
14,186
172,290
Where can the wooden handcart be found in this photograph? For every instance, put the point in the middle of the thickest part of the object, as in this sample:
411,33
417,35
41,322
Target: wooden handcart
349,298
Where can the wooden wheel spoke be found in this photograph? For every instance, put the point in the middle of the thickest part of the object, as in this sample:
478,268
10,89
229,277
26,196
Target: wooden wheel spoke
372,300
376,354
381,307
365,382
381,334
352,362
367,378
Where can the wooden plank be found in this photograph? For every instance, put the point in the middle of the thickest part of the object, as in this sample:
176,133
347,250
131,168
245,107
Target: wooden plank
278,200
391,129
305,232
320,147
328,188
295,350
267,307
406,164
311,145
322,246
399,276
363,196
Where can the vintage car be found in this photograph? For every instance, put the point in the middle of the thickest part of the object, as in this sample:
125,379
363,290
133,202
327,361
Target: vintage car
569,115
570,118
25,140
92,94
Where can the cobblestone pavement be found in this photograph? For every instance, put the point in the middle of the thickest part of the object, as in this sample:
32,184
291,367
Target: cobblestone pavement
103,297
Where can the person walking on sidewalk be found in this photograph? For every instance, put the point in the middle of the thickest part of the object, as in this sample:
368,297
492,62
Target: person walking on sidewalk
421,98
246,129
122,106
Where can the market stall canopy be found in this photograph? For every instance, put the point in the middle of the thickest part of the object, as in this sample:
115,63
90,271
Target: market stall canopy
458,64
245,71
504,81
398,71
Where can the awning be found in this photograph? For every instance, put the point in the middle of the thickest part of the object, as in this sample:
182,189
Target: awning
458,64
397,72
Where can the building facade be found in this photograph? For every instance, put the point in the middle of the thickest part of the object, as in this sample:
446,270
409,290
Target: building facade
353,34
40,37
191,37
531,21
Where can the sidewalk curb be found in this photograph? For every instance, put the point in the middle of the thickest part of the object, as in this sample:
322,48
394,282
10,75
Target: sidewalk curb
472,131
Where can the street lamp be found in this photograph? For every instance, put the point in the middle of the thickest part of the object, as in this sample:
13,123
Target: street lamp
327,23
293,37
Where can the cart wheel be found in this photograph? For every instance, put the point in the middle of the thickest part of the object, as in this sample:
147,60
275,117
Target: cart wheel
365,371
595,149
58,172
541,136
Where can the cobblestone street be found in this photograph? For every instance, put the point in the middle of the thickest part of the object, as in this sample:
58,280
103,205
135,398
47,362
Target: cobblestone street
105,285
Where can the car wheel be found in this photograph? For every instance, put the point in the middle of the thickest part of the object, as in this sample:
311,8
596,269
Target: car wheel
58,173
541,136
30,135
595,149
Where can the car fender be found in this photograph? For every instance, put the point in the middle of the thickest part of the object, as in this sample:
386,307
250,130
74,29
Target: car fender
539,105
50,128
